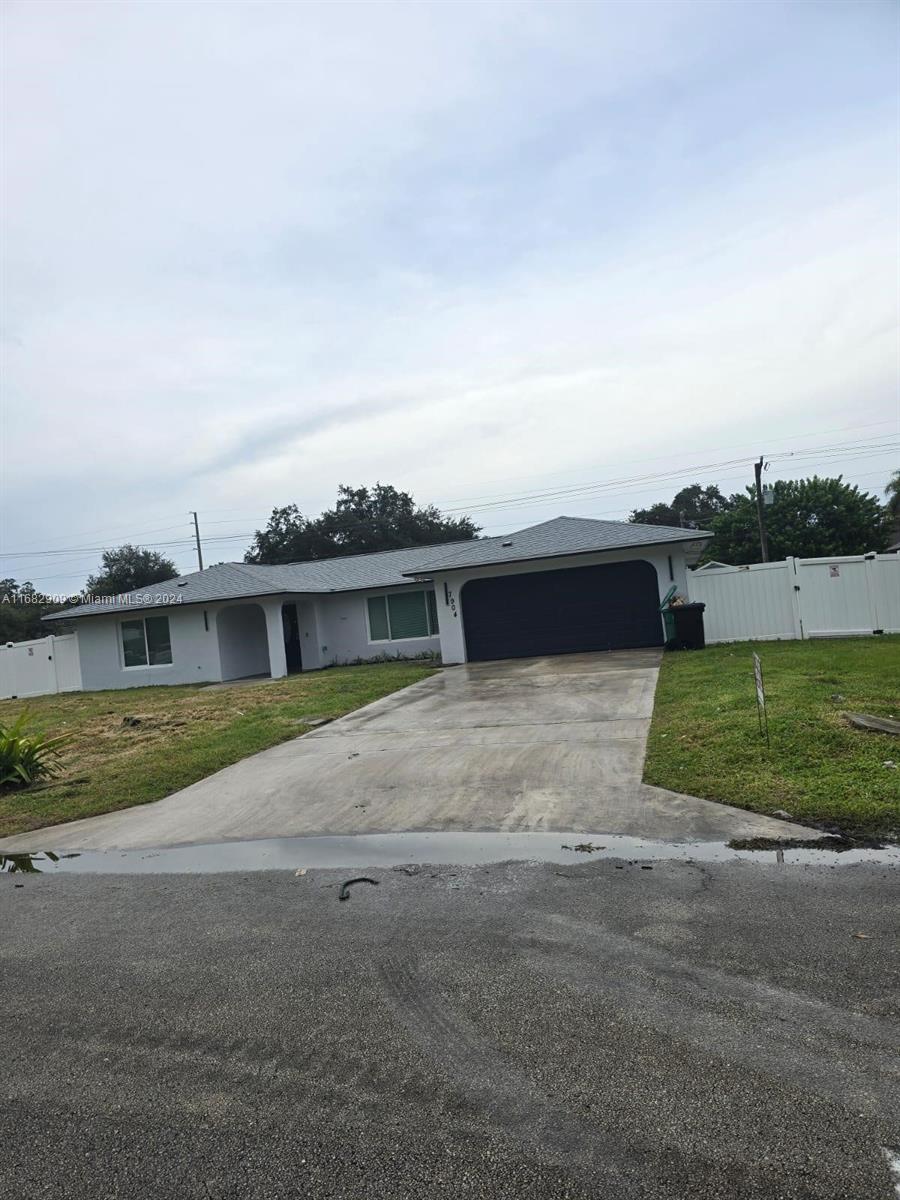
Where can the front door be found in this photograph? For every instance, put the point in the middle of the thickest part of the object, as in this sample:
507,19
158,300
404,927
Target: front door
291,625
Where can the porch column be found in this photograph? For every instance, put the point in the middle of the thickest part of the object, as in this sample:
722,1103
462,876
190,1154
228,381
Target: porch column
275,634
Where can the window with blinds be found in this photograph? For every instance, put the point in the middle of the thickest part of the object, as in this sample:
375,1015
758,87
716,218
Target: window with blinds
402,616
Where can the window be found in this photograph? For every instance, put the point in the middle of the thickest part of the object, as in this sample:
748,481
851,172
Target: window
402,615
146,642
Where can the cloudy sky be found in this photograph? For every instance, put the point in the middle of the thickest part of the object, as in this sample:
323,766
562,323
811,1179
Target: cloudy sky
519,259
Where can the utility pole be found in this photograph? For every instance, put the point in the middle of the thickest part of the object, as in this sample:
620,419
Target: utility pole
197,536
763,543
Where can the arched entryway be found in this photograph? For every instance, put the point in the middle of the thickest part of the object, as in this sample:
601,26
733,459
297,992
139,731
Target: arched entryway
243,641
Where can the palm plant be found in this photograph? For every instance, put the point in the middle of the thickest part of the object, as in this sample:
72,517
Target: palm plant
25,756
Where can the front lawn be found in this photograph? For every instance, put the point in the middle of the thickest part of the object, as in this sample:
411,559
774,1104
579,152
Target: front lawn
140,744
704,739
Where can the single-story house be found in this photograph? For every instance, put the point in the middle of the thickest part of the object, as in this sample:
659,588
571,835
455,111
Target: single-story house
566,585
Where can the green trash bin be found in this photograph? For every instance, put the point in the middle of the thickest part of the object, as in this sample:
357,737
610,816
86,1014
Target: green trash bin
668,618
669,625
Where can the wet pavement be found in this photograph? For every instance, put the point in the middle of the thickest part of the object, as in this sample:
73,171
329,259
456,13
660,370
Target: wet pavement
395,849
593,1026
527,745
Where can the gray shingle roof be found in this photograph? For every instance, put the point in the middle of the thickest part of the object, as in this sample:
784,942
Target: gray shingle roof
235,581
556,538
388,568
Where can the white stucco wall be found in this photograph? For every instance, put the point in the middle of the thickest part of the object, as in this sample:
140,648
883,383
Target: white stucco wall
450,618
343,630
243,641
333,627
195,651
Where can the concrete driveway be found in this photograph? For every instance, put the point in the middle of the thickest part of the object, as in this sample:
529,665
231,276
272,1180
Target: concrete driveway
529,744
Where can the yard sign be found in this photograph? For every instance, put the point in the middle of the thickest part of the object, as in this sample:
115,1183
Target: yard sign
760,698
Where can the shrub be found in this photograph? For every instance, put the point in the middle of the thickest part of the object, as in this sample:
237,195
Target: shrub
425,657
26,757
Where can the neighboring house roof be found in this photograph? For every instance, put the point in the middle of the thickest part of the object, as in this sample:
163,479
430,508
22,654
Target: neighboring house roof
385,568
561,537
894,548
712,565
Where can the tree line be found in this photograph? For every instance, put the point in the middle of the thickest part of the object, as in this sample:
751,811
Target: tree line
807,518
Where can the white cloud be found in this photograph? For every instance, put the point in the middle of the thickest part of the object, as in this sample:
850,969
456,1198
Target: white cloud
268,248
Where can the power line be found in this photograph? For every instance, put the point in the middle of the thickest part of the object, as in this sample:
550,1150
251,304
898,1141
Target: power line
714,450
104,530
624,508
620,509
573,493
581,489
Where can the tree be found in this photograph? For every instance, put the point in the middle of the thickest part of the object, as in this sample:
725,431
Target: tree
892,508
808,518
892,491
128,568
21,609
363,519
694,507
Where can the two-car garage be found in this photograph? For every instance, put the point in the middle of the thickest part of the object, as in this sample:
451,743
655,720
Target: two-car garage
611,606
567,586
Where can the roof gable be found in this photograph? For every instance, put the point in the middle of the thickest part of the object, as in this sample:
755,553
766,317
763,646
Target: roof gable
556,538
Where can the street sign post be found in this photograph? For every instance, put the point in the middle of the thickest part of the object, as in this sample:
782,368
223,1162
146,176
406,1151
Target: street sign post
761,698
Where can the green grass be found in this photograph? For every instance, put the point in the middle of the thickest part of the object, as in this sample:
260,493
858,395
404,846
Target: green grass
705,740
182,735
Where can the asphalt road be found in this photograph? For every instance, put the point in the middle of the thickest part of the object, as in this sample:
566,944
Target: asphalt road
506,1031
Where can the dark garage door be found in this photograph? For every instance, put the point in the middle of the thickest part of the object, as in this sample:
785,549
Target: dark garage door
610,607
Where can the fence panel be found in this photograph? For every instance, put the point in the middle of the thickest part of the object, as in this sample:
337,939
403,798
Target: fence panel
835,598
744,603
68,664
40,667
800,597
884,573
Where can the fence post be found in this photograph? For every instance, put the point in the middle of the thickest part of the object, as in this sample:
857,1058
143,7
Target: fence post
871,565
793,581
51,638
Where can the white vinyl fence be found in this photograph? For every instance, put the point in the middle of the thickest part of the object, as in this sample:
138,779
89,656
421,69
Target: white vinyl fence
800,598
39,668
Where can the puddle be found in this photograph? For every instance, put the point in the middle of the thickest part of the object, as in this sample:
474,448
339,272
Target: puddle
464,849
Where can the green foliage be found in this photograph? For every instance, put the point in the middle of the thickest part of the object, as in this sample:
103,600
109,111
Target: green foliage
128,568
426,657
892,491
363,520
705,739
27,757
694,507
183,734
21,610
809,518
